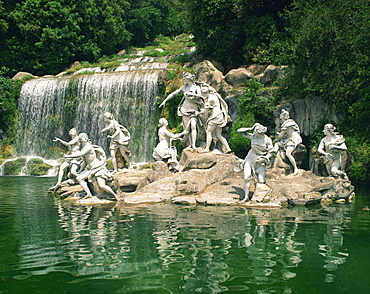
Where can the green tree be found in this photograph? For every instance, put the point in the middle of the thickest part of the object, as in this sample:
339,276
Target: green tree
148,19
45,34
329,55
103,28
8,105
237,32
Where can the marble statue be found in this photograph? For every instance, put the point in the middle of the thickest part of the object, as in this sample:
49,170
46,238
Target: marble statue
288,138
258,156
74,163
331,146
93,166
218,117
119,136
189,108
164,149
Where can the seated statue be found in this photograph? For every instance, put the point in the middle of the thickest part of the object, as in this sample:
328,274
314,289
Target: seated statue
119,136
189,108
71,164
288,138
331,146
93,166
258,156
164,151
218,117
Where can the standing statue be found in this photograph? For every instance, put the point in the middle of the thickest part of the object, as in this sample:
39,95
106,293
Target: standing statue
218,117
74,163
189,107
288,138
93,166
331,146
119,136
164,149
258,156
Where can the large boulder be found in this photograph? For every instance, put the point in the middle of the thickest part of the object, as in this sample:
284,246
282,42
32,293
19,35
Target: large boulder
238,77
206,72
21,75
271,74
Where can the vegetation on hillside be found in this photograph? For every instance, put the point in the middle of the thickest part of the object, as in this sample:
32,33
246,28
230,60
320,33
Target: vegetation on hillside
324,43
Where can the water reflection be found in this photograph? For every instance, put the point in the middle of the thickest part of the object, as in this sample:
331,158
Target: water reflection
172,249
198,249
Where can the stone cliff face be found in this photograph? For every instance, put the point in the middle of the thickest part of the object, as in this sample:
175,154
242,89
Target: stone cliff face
310,113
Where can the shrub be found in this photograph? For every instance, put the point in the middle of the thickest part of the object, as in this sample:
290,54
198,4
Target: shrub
36,167
14,167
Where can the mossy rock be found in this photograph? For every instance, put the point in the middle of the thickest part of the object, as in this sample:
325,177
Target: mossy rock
14,167
36,167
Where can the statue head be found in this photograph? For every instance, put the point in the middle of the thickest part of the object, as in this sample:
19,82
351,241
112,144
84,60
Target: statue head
83,137
72,132
188,76
261,129
284,114
108,115
329,127
162,122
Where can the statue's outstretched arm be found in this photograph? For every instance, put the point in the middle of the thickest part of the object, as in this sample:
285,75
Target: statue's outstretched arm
170,96
61,141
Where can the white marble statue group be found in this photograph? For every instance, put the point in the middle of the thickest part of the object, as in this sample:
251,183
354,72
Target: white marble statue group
201,107
86,163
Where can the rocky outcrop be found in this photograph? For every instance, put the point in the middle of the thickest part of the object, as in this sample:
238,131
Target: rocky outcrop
238,77
21,75
206,72
310,113
271,74
211,179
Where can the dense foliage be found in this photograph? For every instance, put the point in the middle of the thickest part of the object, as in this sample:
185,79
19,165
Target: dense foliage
237,32
44,37
329,54
9,91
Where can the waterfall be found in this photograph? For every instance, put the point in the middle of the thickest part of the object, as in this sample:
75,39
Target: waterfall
49,107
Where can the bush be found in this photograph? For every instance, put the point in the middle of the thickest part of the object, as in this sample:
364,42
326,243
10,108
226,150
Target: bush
36,167
14,167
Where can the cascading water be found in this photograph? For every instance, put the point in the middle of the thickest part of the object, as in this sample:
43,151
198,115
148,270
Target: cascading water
49,107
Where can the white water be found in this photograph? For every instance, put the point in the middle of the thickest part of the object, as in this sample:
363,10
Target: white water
49,107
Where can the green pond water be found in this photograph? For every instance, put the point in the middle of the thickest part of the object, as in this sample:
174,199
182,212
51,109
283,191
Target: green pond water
51,246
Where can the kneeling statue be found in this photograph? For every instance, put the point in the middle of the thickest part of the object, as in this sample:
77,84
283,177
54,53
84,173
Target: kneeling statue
164,149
